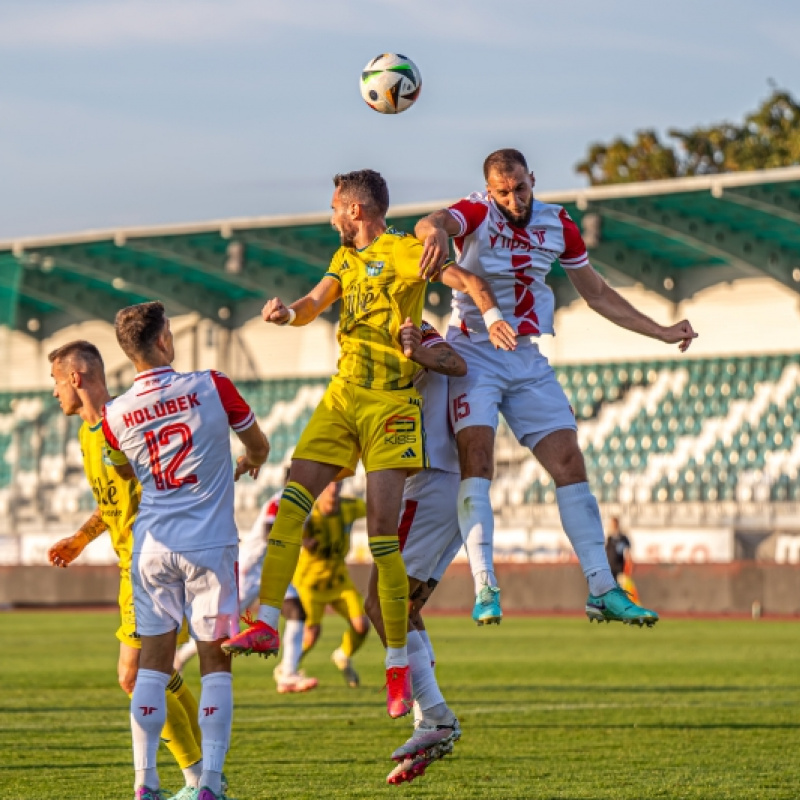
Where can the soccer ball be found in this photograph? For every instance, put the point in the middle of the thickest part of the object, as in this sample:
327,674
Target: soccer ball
390,83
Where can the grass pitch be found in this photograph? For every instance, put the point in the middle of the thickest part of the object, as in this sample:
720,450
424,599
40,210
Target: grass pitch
550,708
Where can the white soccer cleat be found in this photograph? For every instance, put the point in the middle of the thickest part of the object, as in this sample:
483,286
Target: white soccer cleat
433,741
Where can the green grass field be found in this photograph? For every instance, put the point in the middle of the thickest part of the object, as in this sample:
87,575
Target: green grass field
550,708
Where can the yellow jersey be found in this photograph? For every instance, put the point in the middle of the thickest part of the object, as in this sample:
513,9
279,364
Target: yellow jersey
380,288
117,499
324,567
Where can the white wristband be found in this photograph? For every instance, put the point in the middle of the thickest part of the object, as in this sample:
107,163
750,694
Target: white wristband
491,316
292,315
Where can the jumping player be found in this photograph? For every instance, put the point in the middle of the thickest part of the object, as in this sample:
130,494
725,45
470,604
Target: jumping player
370,410
511,239
172,431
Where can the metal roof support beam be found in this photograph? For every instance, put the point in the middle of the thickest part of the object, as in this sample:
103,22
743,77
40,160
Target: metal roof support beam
295,252
191,259
738,249
773,200
82,302
623,263
126,278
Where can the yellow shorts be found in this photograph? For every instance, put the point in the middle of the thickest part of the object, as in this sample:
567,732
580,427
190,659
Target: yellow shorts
383,429
126,632
344,598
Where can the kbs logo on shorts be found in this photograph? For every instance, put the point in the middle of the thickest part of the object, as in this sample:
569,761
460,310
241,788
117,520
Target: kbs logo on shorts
400,430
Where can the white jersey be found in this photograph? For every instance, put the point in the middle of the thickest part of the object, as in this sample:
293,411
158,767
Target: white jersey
515,262
265,517
439,442
173,429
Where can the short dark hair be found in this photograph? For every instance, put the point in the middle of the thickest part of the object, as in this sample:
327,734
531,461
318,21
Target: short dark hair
504,161
79,350
137,327
366,186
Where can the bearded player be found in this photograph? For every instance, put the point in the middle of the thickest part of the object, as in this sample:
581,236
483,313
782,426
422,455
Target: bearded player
512,240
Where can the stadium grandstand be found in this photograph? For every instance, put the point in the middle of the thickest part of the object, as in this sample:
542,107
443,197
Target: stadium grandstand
696,453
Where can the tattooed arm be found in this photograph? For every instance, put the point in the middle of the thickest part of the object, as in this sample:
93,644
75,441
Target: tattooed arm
65,551
439,357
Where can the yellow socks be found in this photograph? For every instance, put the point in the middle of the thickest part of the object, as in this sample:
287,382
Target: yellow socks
181,732
285,541
392,588
352,641
188,701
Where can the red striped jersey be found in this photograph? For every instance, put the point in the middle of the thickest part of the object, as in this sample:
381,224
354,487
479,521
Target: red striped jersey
515,262
173,428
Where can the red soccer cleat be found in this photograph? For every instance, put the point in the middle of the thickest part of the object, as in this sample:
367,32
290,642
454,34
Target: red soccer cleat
399,699
258,638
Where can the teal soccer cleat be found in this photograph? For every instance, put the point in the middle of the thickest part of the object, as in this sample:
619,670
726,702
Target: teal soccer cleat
487,609
616,606
146,793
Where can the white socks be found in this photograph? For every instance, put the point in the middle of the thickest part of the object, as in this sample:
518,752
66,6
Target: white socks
476,521
426,640
396,657
292,646
269,615
426,690
580,517
148,715
215,717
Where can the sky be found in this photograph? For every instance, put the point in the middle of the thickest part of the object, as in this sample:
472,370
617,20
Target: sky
119,113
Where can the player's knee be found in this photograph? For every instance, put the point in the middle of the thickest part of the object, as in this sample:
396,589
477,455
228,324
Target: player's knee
361,625
570,469
310,636
293,609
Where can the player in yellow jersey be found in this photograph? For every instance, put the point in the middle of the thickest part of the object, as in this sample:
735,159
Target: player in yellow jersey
370,410
80,386
322,578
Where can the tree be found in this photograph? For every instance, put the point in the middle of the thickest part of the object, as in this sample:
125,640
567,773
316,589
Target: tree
768,137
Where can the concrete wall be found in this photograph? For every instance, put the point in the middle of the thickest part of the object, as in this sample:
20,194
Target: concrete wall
681,588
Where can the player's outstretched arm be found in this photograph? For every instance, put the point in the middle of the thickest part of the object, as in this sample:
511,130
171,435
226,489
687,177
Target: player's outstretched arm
438,357
307,308
65,551
501,334
256,451
614,307
434,231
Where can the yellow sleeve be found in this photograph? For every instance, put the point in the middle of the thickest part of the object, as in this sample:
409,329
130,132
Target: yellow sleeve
335,267
407,253
113,458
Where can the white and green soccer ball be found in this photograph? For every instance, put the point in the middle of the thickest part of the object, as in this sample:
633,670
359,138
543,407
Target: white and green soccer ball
390,83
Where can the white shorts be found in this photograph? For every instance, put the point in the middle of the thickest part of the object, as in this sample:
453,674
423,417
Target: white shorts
250,565
428,529
520,384
199,584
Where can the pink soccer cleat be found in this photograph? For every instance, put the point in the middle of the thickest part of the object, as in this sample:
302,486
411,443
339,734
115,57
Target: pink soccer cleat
257,638
399,699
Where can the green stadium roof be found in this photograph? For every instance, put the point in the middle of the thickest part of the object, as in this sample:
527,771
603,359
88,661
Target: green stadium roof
674,237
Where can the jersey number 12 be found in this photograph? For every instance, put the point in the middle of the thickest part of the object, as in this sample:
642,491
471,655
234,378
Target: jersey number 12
164,475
